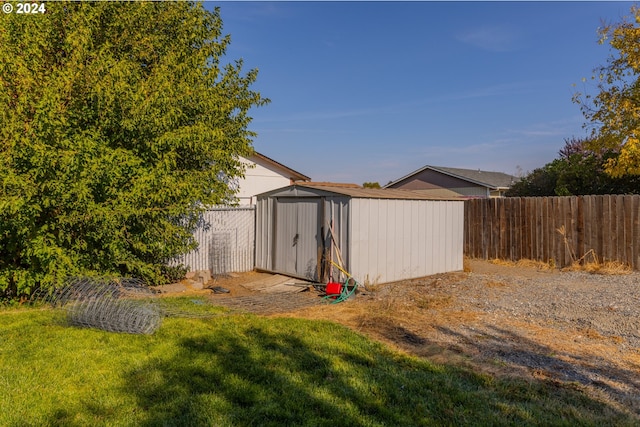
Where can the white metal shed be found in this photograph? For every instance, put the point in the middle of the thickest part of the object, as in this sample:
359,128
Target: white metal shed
384,235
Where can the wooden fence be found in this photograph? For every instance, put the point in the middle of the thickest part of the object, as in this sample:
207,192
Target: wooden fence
561,230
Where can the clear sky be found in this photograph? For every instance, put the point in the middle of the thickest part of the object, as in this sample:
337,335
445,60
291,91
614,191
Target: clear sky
371,91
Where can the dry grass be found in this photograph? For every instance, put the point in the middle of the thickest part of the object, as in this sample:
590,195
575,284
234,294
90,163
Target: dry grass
524,263
589,260
594,267
608,267
495,284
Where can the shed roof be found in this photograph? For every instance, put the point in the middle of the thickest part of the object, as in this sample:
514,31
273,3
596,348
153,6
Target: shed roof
362,193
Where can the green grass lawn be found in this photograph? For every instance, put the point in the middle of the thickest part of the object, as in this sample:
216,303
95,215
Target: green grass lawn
238,370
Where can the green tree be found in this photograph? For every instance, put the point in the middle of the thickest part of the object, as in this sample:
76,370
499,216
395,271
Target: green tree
578,171
539,182
371,185
614,112
119,123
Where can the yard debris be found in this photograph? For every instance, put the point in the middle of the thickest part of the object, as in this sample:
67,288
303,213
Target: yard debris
114,305
124,305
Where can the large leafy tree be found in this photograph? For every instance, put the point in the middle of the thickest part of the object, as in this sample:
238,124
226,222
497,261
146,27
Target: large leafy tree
119,123
577,171
614,112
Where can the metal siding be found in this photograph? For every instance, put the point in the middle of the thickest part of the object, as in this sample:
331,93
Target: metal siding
457,250
397,240
312,216
414,254
430,241
421,219
407,245
358,243
225,241
381,240
285,231
440,237
376,218
264,230
297,236
385,244
309,242
337,212
450,243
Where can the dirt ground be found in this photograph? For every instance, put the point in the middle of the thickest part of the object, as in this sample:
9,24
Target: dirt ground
575,329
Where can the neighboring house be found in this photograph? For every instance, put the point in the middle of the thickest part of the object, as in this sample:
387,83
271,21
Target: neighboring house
264,174
465,182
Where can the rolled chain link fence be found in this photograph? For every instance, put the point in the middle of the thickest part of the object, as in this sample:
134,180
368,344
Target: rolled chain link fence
117,305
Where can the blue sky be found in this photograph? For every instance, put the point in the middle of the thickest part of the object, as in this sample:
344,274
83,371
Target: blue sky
371,91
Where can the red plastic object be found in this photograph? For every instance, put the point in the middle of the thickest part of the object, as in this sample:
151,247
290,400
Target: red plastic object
334,289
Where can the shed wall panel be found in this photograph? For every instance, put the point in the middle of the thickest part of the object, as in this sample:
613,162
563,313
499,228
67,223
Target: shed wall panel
396,240
265,218
336,218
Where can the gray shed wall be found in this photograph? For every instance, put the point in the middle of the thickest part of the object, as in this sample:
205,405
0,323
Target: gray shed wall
401,239
381,240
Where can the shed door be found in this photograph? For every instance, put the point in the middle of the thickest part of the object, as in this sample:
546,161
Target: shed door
297,236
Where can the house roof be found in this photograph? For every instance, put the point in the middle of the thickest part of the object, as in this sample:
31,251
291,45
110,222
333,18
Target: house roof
367,193
492,180
331,184
293,175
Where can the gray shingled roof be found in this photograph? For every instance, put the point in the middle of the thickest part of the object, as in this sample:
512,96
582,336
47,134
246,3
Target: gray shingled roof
485,178
490,179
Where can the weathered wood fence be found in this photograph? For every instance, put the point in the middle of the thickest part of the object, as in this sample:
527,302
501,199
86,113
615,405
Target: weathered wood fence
561,230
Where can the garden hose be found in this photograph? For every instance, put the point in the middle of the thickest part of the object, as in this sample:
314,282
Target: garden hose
345,293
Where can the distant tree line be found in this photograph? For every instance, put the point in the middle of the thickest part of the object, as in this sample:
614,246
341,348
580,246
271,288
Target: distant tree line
577,171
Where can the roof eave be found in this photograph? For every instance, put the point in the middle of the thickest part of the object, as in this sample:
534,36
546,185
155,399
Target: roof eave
295,175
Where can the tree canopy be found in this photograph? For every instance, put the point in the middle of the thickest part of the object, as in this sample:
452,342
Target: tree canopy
119,124
371,185
614,112
577,171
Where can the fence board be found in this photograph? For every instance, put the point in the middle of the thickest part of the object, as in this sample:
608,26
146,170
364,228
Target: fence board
579,228
604,227
635,203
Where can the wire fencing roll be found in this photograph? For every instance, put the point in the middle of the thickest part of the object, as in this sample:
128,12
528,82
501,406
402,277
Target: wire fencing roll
122,305
116,305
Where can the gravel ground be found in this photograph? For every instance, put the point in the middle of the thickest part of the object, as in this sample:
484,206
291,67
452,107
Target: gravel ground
574,328
608,304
